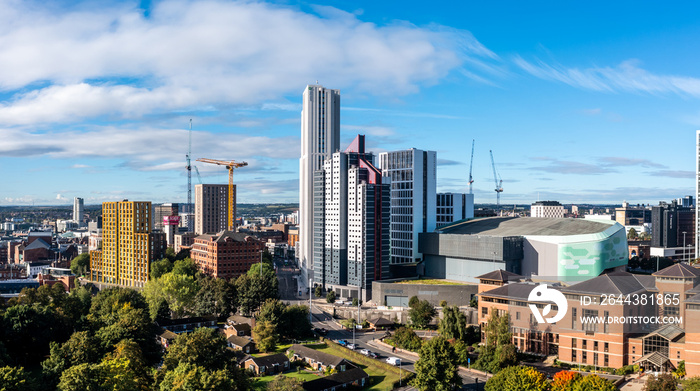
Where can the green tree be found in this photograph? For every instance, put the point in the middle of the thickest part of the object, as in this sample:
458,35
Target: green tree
421,313
204,347
284,383
273,311
82,377
680,370
107,304
158,268
355,302
318,291
185,267
594,383
406,338
14,379
170,254
692,384
330,297
178,290
632,234
453,324
216,296
190,377
436,369
297,319
253,290
267,270
265,336
498,352
662,382
80,265
517,378
29,329
413,301
80,348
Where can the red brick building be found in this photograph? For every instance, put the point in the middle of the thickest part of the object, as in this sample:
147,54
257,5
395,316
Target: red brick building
226,254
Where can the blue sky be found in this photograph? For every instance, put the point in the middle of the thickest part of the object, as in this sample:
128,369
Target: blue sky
594,102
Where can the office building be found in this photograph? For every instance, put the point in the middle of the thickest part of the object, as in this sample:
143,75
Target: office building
320,137
351,222
128,245
78,209
211,208
413,200
672,231
547,209
226,254
453,207
656,334
161,211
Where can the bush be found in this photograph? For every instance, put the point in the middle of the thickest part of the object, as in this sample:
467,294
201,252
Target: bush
330,297
406,338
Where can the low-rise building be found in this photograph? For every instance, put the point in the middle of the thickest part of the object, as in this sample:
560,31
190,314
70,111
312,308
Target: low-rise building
355,378
226,254
267,365
244,344
318,360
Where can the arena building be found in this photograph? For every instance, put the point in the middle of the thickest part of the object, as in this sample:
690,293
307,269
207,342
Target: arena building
553,249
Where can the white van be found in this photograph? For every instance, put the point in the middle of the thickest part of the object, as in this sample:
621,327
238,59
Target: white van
395,361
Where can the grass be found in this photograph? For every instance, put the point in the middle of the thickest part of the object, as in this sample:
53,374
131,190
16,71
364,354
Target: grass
382,375
260,383
278,349
428,282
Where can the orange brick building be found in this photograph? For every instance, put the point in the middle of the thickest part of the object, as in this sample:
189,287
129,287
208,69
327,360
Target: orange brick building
226,254
630,308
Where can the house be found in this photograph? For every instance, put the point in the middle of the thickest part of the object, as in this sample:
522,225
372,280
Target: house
241,329
355,377
166,338
380,323
267,365
241,343
239,319
319,360
184,325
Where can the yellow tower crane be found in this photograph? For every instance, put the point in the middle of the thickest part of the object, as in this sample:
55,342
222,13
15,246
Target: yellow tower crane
230,165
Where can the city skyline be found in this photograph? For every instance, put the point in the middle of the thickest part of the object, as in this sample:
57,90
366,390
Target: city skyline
578,105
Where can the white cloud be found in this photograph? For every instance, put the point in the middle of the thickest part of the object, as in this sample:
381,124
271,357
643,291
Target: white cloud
627,76
59,197
191,54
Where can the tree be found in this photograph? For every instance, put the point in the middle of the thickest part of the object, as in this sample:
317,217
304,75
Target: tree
421,313
267,270
28,331
462,351
253,290
80,348
204,347
565,380
297,317
82,377
188,377
662,382
185,267
80,265
632,234
177,289
406,338
265,336
216,296
318,291
453,324
355,302
330,297
436,369
284,383
14,379
692,384
413,301
680,370
158,268
498,352
517,378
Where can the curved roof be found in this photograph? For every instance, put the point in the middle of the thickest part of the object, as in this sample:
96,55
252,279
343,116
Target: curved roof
526,226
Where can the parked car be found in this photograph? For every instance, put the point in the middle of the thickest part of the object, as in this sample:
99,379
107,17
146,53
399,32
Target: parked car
395,361
373,355
322,331
342,342
366,352
352,346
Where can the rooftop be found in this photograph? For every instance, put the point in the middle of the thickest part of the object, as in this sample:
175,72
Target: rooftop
520,226
678,270
500,275
318,356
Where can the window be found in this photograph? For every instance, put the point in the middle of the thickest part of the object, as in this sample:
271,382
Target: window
573,318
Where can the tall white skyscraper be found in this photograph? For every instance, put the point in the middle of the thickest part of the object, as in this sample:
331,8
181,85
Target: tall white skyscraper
413,199
320,138
78,208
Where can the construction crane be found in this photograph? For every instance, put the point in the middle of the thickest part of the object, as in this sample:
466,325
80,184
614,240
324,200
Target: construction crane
471,163
189,171
199,177
497,179
230,165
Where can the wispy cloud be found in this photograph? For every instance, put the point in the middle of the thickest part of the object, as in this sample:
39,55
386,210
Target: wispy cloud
623,161
448,162
60,65
398,113
570,167
627,76
683,174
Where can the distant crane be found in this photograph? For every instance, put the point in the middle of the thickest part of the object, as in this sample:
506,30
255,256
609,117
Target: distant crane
199,177
230,165
499,182
471,163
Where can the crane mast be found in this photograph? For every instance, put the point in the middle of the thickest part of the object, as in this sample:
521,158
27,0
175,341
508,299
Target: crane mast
471,163
230,166
498,181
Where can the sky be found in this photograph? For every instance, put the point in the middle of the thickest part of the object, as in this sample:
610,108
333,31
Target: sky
580,102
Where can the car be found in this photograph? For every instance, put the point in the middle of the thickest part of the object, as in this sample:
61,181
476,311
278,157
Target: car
323,331
352,346
373,355
395,361
342,342
366,352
